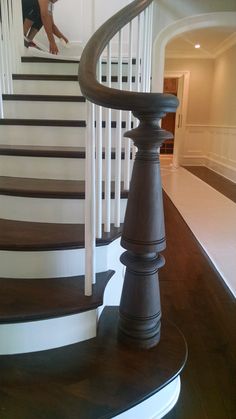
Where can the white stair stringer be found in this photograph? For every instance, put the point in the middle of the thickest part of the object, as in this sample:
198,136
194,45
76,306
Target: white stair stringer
49,210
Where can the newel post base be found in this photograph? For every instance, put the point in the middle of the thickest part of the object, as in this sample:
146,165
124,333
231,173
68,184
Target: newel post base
144,238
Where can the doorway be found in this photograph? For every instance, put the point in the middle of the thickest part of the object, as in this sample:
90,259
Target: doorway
168,122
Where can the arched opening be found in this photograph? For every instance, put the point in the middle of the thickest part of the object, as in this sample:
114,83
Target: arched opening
183,26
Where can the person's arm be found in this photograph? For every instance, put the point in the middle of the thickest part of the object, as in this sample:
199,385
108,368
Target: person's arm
58,33
48,25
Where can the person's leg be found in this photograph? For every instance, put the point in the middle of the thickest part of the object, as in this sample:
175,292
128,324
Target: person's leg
27,24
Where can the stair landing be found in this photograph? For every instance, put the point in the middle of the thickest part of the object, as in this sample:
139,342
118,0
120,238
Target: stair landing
95,379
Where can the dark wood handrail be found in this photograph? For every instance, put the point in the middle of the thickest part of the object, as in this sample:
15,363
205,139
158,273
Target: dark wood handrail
114,98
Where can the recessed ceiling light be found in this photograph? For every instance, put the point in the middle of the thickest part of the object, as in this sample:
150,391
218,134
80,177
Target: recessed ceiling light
197,46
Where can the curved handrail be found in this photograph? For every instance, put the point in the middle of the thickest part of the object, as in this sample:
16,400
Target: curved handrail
110,97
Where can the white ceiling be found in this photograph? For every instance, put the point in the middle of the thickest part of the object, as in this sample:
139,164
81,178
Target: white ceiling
213,42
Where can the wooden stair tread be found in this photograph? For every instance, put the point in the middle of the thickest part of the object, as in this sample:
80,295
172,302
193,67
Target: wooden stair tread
45,77
34,236
48,151
43,122
54,122
62,77
95,379
47,188
27,299
44,188
43,98
30,59
42,151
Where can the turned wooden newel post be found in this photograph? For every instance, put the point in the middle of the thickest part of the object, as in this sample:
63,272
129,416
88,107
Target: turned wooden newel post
143,237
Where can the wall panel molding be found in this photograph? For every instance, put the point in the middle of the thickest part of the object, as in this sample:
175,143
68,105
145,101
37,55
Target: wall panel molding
212,146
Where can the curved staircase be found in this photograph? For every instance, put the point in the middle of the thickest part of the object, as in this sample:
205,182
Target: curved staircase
59,353
42,193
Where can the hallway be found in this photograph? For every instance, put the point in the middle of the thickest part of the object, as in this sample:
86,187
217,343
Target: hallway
195,297
210,215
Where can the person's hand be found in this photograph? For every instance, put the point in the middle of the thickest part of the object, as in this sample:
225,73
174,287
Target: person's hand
53,48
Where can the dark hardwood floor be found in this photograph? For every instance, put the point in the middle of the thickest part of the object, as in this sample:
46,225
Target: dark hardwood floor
195,297
218,182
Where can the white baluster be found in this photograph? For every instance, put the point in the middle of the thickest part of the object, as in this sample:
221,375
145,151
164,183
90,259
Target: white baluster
107,224
90,202
118,139
12,44
1,102
2,69
129,116
19,34
6,47
149,50
99,162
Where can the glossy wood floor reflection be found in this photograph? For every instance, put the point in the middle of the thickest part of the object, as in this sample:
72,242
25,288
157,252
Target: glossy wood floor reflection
218,182
197,300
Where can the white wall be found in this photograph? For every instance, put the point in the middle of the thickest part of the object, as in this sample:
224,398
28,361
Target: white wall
223,104
200,86
79,18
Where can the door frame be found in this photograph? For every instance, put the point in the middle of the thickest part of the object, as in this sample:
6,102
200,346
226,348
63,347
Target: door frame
180,134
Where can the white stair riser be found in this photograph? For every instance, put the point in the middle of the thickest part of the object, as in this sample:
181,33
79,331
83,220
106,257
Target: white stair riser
48,167
44,110
68,68
52,110
46,210
42,87
42,135
52,263
47,135
50,68
47,334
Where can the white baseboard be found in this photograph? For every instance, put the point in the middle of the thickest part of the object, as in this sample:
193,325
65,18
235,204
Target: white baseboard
222,169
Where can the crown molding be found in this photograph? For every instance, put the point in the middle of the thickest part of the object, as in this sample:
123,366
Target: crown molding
229,42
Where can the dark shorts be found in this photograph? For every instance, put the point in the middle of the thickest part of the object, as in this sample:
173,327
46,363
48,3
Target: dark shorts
31,11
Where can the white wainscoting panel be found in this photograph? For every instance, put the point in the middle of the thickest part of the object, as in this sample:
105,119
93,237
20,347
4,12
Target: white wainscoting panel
211,146
221,156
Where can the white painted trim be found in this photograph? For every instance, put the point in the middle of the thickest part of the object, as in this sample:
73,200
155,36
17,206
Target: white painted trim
181,54
180,136
210,126
156,406
226,170
47,334
225,45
